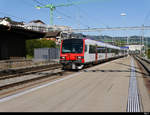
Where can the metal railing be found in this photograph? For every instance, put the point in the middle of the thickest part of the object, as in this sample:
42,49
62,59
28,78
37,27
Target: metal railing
47,28
42,28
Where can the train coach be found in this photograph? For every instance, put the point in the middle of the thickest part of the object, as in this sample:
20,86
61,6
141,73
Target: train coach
76,53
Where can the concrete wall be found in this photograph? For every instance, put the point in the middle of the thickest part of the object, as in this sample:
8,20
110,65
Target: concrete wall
12,47
12,41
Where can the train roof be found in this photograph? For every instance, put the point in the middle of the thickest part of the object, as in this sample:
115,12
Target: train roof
102,44
127,48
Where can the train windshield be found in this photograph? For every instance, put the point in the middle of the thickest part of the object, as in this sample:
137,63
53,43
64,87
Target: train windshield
72,46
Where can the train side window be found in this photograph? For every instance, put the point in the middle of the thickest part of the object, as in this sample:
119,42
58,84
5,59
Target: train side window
101,50
92,49
114,51
98,50
108,50
104,49
117,52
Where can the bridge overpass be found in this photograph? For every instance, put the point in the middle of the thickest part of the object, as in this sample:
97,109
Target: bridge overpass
47,29
12,40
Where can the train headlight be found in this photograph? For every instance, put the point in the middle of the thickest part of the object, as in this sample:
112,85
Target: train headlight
80,57
63,57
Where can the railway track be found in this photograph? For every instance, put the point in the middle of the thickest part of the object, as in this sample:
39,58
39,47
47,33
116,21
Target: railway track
19,78
12,73
144,63
22,79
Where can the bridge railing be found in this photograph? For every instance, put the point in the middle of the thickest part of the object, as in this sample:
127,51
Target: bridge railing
41,27
46,28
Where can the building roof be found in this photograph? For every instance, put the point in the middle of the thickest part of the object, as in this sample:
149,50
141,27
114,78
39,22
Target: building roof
52,34
16,23
11,21
37,21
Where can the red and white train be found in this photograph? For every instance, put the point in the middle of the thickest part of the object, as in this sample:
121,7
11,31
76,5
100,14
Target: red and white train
76,53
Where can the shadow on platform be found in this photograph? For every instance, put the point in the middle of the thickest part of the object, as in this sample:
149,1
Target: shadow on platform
127,65
120,71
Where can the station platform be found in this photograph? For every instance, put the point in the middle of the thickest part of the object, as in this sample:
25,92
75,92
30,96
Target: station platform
102,88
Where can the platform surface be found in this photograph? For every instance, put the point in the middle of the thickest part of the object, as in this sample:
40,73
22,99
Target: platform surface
102,88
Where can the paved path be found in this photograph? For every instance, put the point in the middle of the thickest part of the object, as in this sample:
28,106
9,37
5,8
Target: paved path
103,88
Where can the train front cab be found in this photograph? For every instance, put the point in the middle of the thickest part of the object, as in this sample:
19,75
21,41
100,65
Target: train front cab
72,53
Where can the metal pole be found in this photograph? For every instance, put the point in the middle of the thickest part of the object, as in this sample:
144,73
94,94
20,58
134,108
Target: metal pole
143,39
127,40
51,16
147,48
141,47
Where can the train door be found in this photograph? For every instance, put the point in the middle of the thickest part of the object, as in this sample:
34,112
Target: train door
86,53
96,55
106,51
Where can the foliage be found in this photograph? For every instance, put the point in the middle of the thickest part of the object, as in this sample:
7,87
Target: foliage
36,43
148,53
120,43
133,40
29,57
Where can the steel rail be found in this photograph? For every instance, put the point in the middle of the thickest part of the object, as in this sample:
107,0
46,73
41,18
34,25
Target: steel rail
20,80
33,76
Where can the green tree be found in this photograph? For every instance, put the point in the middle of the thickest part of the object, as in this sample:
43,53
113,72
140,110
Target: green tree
47,43
148,54
36,43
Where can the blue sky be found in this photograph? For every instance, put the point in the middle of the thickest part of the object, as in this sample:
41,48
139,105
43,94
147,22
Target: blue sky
94,14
